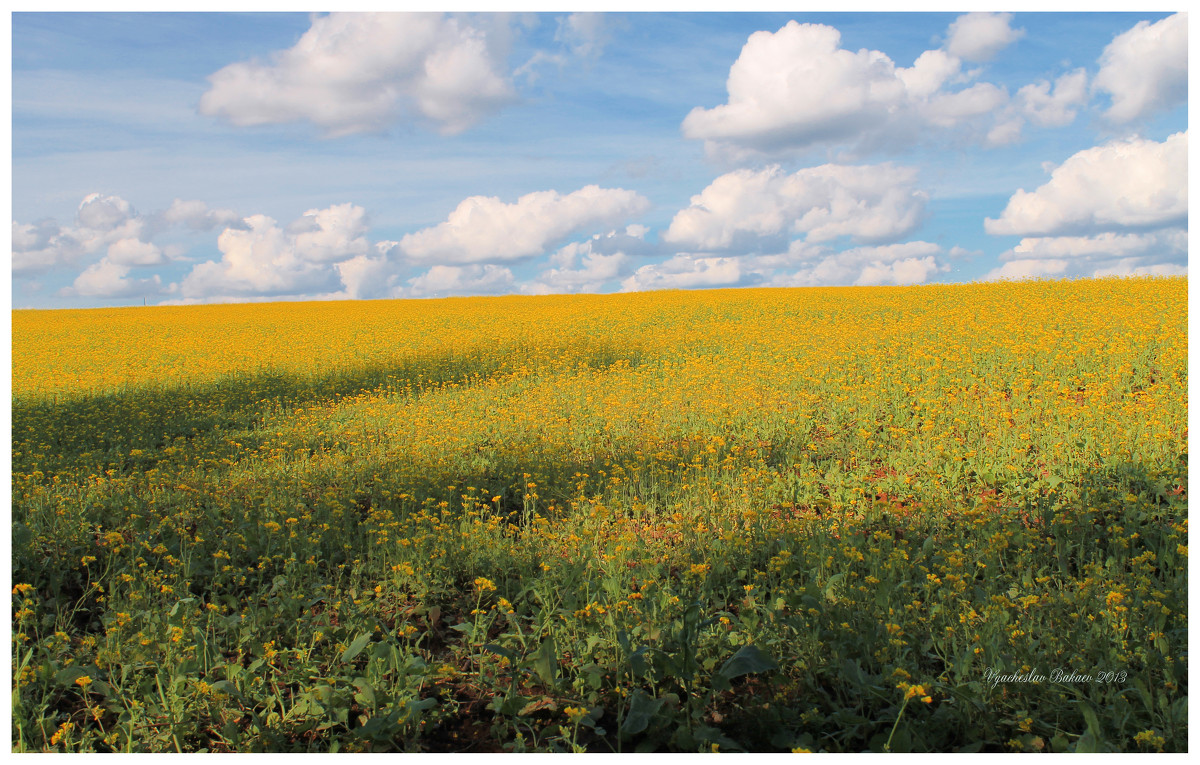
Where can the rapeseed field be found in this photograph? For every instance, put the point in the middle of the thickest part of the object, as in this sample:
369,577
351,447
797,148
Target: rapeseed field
942,518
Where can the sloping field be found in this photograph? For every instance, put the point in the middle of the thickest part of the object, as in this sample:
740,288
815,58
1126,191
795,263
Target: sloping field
916,519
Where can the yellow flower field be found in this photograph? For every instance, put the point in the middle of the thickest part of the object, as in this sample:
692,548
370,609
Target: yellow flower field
759,519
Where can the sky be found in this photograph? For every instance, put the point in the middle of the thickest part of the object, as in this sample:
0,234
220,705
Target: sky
167,158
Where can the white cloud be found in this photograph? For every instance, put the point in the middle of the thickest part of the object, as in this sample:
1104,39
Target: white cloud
1162,252
1133,268
367,277
38,247
265,259
1054,109
100,221
685,271
109,224
1028,269
361,72
1119,208
980,36
443,281
580,269
1145,69
803,265
903,263
333,234
866,203
1120,185
98,212
1168,243
108,279
929,73
1043,103
134,252
798,87
197,215
907,271
487,229
585,34
946,110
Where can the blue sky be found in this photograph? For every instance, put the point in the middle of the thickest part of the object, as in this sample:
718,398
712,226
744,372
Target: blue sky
207,157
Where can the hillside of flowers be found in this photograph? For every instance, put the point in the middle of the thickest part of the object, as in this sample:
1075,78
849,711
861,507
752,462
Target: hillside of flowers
940,518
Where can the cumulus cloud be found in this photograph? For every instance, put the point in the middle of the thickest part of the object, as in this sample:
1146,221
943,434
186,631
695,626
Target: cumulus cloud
798,87
1108,245
1144,70
361,72
110,225
475,279
1043,103
980,36
265,259
802,265
686,271
1123,184
1119,208
101,220
108,279
333,234
366,277
1056,108
865,203
134,252
1161,253
902,263
487,229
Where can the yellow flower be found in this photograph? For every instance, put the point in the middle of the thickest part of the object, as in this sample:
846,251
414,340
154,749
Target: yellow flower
83,681
484,585
63,729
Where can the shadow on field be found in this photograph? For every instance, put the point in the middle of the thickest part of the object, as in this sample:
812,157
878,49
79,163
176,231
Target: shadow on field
98,431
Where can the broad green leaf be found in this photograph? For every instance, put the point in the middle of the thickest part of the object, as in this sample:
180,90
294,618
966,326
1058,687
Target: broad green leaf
355,647
545,663
641,709
748,660
366,693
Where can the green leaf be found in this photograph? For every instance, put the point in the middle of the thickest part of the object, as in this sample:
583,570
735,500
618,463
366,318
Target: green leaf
748,660
178,604
545,663
1087,743
355,647
1093,739
366,694
833,585
641,709
68,675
